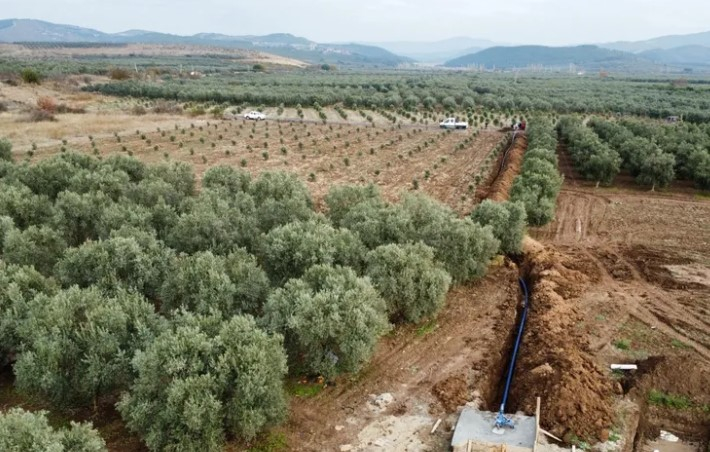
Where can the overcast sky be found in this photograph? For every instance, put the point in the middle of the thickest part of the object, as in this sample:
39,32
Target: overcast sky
550,22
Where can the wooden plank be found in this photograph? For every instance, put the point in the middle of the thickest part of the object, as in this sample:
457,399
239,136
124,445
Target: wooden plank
546,433
537,424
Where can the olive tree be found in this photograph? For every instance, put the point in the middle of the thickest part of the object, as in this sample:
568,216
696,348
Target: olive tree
330,319
204,282
20,286
6,225
699,161
228,178
280,199
211,223
28,431
464,247
113,183
123,213
507,220
152,191
377,224
40,247
203,379
6,150
24,207
115,263
547,155
656,169
289,250
179,175
341,199
412,283
48,177
78,216
135,169
78,343
603,166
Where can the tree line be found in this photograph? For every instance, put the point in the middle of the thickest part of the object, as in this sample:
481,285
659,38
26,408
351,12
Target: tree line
592,158
657,154
190,308
539,181
429,91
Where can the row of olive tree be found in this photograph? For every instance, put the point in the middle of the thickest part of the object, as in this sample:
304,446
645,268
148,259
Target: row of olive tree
640,155
539,181
688,144
592,158
122,279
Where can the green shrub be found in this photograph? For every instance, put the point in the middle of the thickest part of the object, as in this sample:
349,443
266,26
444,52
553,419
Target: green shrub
6,150
204,379
507,220
78,344
22,430
20,286
31,76
116,263
38,247
331,320
412,283
204,282
341,199
288,251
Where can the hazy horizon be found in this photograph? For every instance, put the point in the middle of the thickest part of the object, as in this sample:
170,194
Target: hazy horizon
544,22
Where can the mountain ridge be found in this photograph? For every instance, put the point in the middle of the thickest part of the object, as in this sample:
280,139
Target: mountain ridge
586,57
283,44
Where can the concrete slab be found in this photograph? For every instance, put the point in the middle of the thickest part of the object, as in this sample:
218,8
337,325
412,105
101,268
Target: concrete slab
477,426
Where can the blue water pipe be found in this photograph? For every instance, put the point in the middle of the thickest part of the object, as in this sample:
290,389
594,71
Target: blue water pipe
501,419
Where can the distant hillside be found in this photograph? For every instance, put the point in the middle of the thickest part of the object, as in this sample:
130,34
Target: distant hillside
17,30
687,56
663,42
282,44
437,51
585,57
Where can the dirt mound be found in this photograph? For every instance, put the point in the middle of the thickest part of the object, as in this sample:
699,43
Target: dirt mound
555,363
452,392
506,168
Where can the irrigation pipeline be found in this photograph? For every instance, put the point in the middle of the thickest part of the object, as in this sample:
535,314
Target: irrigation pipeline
505,156
501,419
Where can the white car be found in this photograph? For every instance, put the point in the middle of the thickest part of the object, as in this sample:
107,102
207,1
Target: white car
255,115
453,123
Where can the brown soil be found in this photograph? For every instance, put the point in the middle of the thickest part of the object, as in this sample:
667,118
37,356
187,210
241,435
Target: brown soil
681,377
554,362
507,168
645,255
440,369
452,392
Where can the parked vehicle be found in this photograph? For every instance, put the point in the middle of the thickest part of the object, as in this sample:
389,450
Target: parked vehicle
453,123
255,115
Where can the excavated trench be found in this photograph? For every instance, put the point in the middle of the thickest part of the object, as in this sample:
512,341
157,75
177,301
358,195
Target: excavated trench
500,367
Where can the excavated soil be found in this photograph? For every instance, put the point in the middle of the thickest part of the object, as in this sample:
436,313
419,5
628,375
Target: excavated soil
452,392
681,377
555,362
507,168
